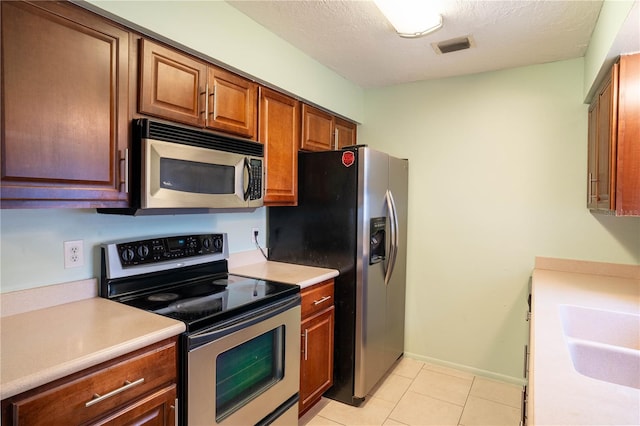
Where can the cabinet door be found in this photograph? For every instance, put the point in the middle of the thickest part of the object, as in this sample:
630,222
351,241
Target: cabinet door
627,199
172,84
64,107
233,103
280,133
317,129
606,140
316,360
157,409
345,133
592,154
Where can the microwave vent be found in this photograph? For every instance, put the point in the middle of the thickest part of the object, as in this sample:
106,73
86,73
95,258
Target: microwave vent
177,134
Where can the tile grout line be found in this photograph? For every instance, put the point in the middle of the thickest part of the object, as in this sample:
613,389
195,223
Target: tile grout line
466,399
399,399
395,404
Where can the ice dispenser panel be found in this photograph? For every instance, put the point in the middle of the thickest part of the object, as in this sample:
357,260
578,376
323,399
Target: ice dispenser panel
376,240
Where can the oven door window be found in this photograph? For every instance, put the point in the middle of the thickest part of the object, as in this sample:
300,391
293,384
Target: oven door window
198,178
247,370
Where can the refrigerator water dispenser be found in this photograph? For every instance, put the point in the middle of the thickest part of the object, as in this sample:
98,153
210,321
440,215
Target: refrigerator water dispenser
376,240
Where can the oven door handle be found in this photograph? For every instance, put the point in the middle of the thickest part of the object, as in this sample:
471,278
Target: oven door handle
227,327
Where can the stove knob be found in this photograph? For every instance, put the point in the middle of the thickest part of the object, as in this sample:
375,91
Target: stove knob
217,243
143,250
206,243
127,254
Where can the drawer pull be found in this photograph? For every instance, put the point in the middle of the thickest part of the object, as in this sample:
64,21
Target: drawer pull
324,299
127,385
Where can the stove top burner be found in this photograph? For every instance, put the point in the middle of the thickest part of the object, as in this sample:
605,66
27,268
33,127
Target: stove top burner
197,306
162,297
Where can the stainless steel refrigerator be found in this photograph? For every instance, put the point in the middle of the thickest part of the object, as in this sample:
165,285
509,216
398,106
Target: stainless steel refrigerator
352,216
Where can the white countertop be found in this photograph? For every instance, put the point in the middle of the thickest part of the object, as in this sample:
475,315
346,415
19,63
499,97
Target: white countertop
252,264
43,345
558,394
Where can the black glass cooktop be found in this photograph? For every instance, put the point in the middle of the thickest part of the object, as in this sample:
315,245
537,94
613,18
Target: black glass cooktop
203,302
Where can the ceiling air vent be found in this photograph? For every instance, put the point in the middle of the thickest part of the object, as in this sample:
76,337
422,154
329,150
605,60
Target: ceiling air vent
453,45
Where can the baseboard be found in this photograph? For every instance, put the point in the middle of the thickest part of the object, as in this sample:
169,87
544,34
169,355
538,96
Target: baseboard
475,371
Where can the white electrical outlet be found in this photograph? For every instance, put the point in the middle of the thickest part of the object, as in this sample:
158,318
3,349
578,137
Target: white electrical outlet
73,254
254,235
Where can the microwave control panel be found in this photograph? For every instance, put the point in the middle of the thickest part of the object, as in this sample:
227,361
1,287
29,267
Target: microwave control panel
169,248
254,191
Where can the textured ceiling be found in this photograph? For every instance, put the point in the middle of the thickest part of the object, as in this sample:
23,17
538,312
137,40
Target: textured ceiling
355,40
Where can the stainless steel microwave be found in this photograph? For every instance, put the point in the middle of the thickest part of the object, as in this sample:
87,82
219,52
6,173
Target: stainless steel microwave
177,169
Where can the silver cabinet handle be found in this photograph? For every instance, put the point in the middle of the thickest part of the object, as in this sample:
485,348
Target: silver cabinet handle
591,182
206,101
306,339
175,412
324,299
212,94
127,385
124,158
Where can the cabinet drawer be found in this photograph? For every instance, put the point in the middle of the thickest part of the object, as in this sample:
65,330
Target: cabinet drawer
317,298
90,396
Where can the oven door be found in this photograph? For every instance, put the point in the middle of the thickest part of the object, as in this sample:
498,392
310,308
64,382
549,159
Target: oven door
246,371
175,175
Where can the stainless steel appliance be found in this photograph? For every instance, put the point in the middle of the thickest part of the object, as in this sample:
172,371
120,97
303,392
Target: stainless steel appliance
176,167
240,356
351,216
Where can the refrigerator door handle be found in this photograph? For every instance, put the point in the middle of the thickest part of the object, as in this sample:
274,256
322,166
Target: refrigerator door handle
393,245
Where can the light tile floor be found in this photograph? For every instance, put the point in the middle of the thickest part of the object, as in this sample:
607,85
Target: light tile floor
418,393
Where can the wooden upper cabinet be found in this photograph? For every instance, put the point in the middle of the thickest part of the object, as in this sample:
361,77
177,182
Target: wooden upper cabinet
279,123
178,87
322,131
627,193
64,107
317,130
172,85
613,179
345,133
233,103
602,143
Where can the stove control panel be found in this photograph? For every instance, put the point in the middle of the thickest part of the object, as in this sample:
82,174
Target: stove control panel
169,248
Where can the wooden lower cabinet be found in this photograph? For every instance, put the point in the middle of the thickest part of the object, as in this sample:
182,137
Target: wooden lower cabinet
137,388
316,358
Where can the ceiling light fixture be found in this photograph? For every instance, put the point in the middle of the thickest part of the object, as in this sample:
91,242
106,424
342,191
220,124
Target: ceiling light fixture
411,18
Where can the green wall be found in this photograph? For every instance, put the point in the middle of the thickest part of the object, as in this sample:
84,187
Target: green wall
497,177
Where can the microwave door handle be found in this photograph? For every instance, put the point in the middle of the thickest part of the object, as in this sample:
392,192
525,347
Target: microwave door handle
249,183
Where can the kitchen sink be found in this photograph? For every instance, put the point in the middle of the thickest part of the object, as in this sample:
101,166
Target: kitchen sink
604,345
